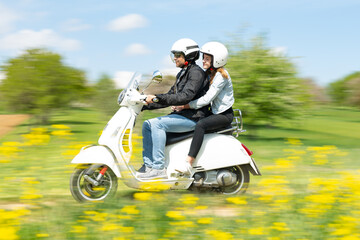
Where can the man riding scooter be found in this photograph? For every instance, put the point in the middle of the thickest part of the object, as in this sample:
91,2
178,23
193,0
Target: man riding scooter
190,84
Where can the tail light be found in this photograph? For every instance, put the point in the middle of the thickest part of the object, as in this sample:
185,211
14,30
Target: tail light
247,150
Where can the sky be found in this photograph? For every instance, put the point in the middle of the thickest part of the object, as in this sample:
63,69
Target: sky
118,37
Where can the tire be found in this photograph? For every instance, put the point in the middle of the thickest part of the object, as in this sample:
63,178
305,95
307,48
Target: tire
242,182
84,191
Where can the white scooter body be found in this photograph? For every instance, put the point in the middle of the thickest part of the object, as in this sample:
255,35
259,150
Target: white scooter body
218,151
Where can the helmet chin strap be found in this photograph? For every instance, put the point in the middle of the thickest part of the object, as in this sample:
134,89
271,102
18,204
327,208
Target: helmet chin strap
185,64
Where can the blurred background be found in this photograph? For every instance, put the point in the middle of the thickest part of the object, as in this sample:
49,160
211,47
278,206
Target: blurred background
296,78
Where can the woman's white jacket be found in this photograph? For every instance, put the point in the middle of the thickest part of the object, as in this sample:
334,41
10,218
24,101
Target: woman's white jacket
220,95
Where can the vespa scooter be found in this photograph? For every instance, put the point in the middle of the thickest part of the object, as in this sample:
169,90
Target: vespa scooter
222,165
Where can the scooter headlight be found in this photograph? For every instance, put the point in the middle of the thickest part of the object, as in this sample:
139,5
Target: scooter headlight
121,96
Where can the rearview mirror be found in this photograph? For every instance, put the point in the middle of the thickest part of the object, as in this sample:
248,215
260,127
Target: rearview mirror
157,76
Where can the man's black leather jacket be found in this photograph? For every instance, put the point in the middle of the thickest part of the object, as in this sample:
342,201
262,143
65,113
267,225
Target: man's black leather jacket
191,83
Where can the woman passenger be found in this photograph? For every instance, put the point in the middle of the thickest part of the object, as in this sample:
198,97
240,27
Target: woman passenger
220,95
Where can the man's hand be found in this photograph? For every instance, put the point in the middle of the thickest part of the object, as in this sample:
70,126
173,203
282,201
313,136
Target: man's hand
149,99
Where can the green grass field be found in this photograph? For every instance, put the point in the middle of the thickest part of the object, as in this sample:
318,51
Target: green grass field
309,188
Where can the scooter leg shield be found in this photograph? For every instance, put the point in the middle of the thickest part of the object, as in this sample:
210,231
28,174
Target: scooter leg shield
97,155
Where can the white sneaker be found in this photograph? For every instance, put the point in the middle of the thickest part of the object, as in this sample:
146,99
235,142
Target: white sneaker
185,168
153,173
142,170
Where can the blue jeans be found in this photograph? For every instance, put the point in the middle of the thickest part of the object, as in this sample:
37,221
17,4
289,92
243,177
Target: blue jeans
154,137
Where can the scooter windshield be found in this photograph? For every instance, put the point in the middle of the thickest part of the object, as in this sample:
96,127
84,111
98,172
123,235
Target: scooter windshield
139,82
135,81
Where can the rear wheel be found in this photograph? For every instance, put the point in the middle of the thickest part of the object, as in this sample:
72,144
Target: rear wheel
242,181
83,190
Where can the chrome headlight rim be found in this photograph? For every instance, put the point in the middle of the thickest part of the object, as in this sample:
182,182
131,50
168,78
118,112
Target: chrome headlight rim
121,96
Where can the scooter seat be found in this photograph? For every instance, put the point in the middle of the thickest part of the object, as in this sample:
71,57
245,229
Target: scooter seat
172,138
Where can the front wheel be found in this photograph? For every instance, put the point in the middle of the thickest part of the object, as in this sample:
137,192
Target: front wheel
83,190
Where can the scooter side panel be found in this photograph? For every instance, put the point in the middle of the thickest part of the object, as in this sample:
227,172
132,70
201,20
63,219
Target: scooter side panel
98,155
217,151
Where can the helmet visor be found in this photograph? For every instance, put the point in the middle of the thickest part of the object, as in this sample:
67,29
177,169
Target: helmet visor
175,54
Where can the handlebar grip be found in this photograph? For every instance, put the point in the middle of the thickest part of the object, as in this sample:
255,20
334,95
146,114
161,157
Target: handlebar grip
155,100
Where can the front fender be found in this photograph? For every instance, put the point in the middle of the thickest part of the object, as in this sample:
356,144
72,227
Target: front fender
97,155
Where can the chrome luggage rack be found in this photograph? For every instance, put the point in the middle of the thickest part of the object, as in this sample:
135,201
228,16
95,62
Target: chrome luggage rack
236,125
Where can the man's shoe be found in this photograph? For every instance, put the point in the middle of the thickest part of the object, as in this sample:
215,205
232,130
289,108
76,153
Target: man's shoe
153,173
143,169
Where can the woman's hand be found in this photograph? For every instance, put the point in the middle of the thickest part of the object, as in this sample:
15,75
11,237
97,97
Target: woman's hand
177,108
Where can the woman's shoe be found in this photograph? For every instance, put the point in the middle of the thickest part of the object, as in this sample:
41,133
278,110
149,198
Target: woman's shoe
185,168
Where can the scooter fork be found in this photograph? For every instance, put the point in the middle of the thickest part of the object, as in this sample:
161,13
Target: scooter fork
95,182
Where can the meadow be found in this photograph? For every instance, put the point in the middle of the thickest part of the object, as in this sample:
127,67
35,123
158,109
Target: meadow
309,188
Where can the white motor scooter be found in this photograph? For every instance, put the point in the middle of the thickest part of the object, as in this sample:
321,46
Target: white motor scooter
223,163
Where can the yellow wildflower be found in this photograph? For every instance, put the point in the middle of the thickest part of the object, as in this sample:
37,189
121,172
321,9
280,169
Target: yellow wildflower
256,231
110,227
37,136
237,200
175,214
342,231
154,186
324,198
130,209
205,220
8,233
60,126
61,133
312,211
126,229
78,229
12,144
9,151
40,235
283,164
294,141
201,207
70,153
189,199
142,196
219,235
280,226
96,216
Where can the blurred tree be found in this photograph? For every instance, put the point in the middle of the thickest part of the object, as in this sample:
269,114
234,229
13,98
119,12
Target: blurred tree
317,93
37,82
354,85
346,91
265,84
106,96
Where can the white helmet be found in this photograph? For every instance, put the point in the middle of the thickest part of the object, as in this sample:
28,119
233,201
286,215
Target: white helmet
188,47
218,51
